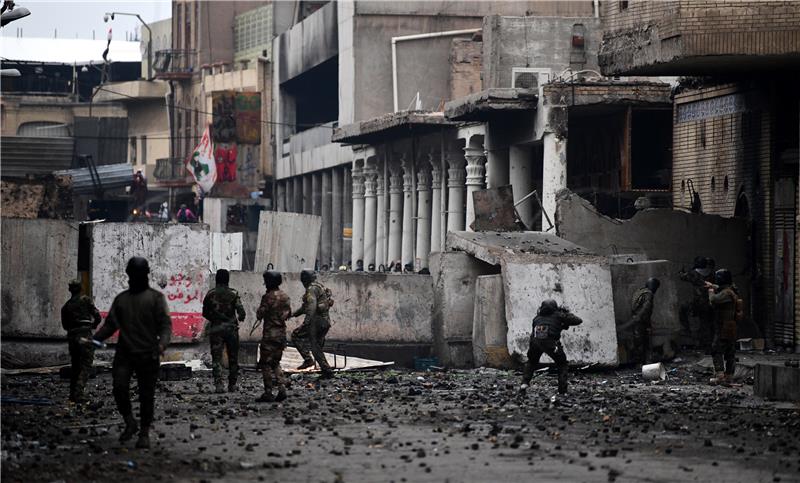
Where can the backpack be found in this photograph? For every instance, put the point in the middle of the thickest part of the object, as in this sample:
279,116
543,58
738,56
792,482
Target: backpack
329,296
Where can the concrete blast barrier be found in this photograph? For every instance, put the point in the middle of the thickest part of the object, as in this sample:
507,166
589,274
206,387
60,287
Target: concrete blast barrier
777,382
179,267
489,328
583,284
226,251
665,326
375,315
39,258
288,241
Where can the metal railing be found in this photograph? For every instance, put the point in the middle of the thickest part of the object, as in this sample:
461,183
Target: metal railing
174,63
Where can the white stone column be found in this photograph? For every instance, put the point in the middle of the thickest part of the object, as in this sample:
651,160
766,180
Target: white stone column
395,212
521,174
380,228
554,173
357,248
370,213
337,216
436,205
326,250
475,162
423,220
455,188
407,255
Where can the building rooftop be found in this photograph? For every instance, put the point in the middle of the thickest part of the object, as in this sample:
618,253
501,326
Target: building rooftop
68,51
389,126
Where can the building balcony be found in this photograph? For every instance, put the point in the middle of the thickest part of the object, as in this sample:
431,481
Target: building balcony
168,172
697,38
175,64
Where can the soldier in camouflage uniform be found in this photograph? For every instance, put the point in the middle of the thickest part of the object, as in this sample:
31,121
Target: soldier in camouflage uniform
698,306
309,338
641,311
274,311
78,317
723,299
221,306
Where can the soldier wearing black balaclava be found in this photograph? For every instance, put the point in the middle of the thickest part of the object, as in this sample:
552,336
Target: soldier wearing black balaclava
546,339
142,318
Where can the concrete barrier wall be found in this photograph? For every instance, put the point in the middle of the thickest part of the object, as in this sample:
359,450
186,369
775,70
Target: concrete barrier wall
489,327
179,267
581,283
368,308
39,257
627,278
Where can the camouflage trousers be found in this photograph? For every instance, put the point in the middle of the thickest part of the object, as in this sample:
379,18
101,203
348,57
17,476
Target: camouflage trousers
226,338
81,357
270,363
309,339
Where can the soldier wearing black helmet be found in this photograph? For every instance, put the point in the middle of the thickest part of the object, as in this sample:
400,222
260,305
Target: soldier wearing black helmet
641,312
309,338
698,306
724,300
78,317
145,328
273,311
546,339
223,309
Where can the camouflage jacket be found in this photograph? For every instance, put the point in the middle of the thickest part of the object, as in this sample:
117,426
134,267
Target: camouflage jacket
274,310
724,304
315,302
79,312
698,282
642,305
221,305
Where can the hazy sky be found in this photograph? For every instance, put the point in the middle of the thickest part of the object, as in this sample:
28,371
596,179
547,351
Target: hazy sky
79,18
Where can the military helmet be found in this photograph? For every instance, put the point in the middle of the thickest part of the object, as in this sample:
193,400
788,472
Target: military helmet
711,263
75,282
307,276
222,277
700,262
723,277
548,307
272,279
137,266
652,283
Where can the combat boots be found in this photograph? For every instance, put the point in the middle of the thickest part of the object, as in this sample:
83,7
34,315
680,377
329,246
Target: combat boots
281,395
130,429
232,385
305,365
219,387
266,397
144,438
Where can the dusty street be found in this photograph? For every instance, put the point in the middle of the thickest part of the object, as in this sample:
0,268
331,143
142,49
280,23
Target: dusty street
405,426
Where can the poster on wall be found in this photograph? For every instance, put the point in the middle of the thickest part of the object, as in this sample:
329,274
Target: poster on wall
248,117
223,107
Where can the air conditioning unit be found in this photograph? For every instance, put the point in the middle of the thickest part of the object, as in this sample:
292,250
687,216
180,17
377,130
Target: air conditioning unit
529,77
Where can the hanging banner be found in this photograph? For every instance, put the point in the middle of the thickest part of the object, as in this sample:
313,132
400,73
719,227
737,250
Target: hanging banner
248,117
201,163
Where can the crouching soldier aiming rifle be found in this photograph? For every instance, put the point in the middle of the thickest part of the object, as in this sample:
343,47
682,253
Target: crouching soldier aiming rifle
550,320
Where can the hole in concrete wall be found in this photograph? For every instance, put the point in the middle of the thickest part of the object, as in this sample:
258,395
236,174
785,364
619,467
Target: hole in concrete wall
314,95
725,183
713,184
683,185
651,149
623,5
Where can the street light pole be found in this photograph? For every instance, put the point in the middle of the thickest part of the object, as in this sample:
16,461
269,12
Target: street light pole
149,38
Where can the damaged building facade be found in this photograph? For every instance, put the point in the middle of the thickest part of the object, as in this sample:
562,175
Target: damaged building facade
735,125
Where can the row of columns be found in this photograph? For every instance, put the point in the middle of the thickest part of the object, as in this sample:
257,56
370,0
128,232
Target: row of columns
403,221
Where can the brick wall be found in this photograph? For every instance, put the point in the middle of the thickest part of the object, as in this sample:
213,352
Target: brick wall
724,132
465,67
646,34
